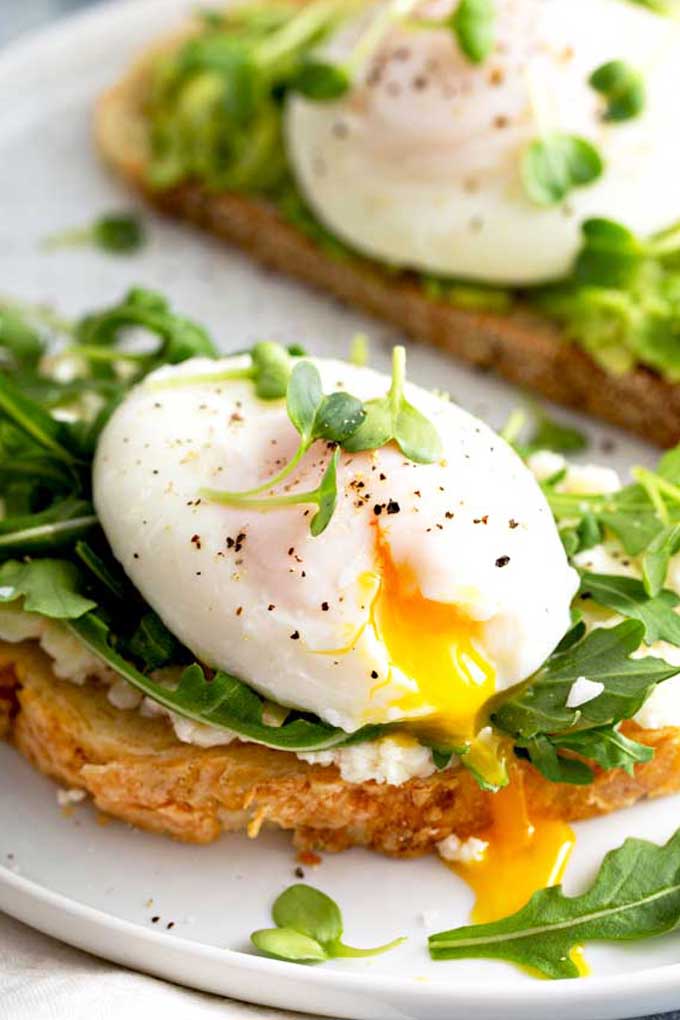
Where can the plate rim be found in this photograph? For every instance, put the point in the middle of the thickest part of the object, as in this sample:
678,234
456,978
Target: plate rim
17,890
584,992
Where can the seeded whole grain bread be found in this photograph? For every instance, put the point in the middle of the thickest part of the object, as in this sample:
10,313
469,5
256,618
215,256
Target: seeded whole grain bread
135,769
522,346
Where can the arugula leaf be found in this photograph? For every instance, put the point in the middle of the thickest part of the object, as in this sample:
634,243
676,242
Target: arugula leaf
51,530
607,746
627,595
474,25
603,656
657,557
556,164
36,423
542,752
553,435
21,346
153,643
623,88
49,587
106,571
635,895
393,418
179,338
309,929
222,701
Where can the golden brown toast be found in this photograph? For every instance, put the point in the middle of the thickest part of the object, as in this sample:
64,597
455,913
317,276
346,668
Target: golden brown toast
522,346
135,769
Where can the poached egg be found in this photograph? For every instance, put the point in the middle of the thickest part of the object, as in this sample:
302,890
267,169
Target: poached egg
433,588
419,165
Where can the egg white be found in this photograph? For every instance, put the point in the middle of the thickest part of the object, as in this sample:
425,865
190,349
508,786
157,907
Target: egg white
256,605
419,165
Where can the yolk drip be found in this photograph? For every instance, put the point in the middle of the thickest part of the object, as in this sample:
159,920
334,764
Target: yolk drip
433,644
523,854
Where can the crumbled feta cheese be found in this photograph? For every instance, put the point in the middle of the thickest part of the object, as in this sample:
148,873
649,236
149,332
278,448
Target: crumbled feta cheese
544,464
391,760
67,797
123,695
582,691
662,707
580,479
188,731
607,558
18,625
589,479
71,659
462,851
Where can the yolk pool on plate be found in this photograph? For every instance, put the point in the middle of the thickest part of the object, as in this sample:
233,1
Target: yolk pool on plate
523,854
434,645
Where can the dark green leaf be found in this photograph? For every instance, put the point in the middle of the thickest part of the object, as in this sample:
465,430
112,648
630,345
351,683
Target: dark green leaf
635,895
552,435
603,656
556,164
28,416
543,754
179,338
656,558
105,570
49,587
20,345
338,417
153,643
222,701
606,746
627,596
52,530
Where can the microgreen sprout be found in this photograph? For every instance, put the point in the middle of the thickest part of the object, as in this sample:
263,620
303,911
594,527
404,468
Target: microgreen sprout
116,233
309,929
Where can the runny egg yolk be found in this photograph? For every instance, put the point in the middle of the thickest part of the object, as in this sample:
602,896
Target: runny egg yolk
435,646
523,855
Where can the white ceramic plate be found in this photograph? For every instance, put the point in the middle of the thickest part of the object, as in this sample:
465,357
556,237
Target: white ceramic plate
99,887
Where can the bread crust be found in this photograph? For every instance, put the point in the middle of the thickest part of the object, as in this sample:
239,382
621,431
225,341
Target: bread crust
522,346
136,770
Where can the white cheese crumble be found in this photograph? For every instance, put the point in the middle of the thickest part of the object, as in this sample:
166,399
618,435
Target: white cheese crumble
67,797
462,851
579,479
391,760
582,691
123,695
188,731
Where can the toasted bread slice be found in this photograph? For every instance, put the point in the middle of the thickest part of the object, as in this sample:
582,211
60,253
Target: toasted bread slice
136,769
522,346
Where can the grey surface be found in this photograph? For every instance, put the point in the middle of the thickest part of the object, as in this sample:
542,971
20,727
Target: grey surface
20,16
